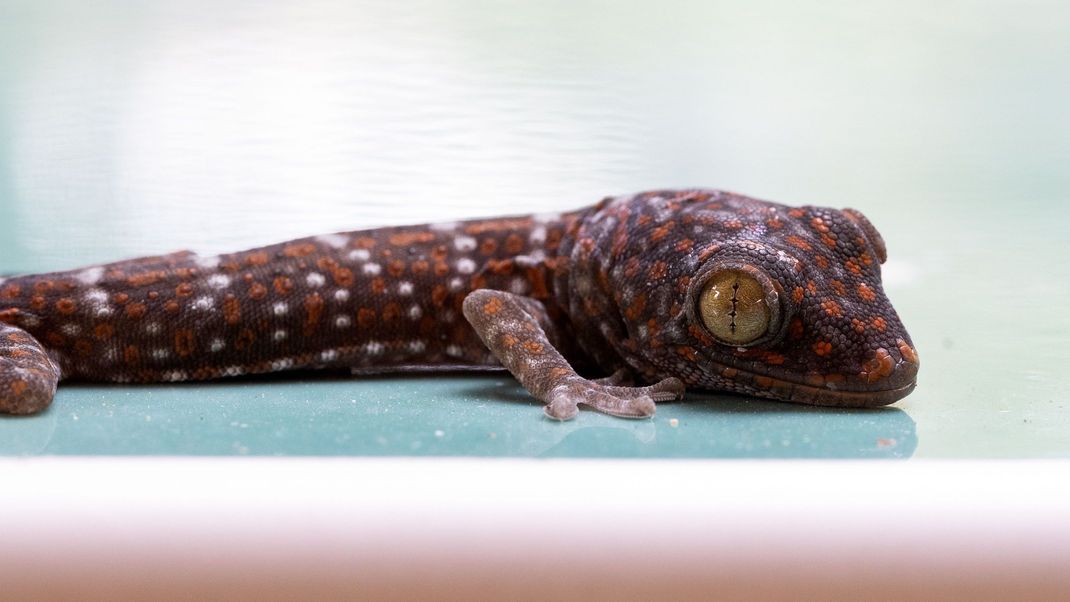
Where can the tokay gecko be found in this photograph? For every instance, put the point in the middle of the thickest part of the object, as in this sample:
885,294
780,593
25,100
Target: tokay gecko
613,307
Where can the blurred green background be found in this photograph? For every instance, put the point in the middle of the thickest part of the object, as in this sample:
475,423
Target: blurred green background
137,127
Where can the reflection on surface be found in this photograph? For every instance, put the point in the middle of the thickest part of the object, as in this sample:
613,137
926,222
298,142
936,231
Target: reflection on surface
434,415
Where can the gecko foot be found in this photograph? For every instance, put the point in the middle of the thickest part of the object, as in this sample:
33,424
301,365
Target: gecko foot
625,402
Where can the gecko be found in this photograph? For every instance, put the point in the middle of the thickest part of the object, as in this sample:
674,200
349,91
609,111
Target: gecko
614,307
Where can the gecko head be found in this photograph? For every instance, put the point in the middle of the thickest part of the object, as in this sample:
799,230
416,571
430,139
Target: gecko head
774,301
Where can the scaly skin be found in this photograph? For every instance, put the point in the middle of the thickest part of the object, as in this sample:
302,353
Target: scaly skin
611,288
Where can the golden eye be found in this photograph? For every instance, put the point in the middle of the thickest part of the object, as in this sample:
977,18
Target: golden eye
733,306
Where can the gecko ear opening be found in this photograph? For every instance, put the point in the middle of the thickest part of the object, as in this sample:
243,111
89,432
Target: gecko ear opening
739,305
870,231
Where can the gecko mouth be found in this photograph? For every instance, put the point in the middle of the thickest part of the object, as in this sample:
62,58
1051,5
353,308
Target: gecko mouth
838,391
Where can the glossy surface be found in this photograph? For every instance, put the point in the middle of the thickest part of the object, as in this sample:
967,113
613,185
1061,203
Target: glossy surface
126,131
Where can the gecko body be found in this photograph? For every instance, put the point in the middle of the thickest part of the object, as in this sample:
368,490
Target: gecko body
660,291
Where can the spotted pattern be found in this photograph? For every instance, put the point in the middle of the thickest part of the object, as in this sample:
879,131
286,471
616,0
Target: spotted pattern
610,289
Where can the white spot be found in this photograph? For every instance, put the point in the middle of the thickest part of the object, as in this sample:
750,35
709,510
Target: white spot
203,303
518,286
417,346
152,328
71,330
372,348
336,241
341,295
415,312
329,355
538,235
448,316
445,227
111,354
175,376
372,269
454,351
104,311
219,281
466,265
280,335
217,345
282,364
405,288
207,263
360,255
160,354
233,371
464,244
342,322
90,275
96,296
456,284
30,321
280,308
315,279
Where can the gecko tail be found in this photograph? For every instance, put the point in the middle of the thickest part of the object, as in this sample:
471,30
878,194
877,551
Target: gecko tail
28,376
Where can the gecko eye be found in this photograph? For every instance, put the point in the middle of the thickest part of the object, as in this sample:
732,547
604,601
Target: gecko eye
736,307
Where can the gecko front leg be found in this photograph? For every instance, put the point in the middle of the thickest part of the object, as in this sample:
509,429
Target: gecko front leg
513,328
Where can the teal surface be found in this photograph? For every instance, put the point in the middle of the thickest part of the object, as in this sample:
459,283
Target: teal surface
132,128
428,416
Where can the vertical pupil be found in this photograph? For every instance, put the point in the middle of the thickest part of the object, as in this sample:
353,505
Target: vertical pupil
733,307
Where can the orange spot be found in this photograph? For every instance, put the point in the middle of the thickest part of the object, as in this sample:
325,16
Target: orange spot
364,242
866,293
245,339
488,246
258,258
184,342
858,325
819,224
365,317
184,290
9,315
403,239
120,298
441,268
796,213
853,267
700,334
492,306
171,307
879,367
797,294
822,348
153,295
103,331
635,310
257,291
283,284
533,347
391,311
11,291
880,324
313,312
378,286
66,306
396,268
136,311
131,354
763,382
773,358
342,276
509,341
146,278
38,302
688,352
18,387
729,372
420,267
514,244
838,286
661,232
658,270
231,309
798,242
774,223
438,295
299,249
821,262
832,308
